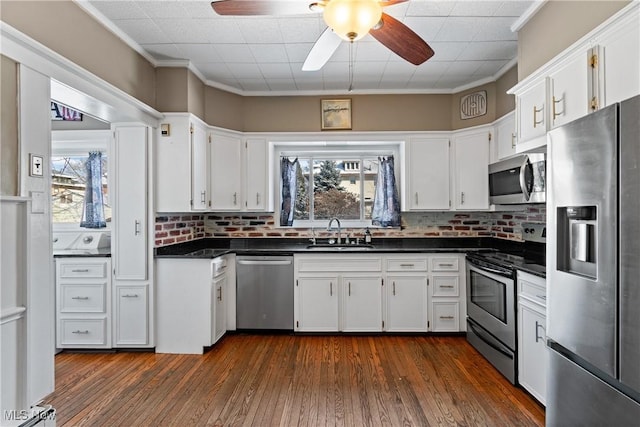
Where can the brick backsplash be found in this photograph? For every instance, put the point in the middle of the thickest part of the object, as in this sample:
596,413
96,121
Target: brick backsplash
177,228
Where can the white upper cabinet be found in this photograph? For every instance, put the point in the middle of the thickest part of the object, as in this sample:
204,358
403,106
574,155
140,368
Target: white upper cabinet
427,178
570,89
472,169
181,160
505,137
258,176
619,59
241,174
226,173
601,68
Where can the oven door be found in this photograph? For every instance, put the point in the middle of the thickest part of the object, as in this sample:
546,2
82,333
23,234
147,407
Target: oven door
491,303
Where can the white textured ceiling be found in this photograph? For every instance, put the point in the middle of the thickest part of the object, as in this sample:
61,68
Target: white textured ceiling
472,40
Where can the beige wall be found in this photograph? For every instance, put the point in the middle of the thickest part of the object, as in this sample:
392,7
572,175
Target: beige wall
76,36
195,91
9,127
172,95
223,109
506,103
556,26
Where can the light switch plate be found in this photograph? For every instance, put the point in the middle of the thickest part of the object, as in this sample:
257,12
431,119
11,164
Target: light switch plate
36,165
37,202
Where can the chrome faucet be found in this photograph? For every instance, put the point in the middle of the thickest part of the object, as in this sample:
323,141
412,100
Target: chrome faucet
339,228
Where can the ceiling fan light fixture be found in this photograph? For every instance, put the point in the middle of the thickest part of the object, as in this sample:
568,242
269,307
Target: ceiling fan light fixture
351,20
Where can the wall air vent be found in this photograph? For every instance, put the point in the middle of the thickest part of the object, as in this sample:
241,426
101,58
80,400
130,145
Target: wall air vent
473,105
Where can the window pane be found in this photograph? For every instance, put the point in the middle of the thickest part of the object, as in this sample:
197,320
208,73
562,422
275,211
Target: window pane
334,195
68,183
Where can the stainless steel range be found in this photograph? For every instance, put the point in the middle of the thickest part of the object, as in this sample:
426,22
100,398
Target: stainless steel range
491,298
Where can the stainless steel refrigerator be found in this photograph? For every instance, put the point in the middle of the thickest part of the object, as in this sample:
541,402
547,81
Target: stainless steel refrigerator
593,269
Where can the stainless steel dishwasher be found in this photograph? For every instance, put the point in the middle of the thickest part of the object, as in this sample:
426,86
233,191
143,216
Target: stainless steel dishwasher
264,298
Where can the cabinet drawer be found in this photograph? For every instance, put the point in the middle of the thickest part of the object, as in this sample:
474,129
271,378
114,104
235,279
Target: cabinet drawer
407,264
445,316
83,270
83,332
446,286
445,264
344,263
532,287
86,298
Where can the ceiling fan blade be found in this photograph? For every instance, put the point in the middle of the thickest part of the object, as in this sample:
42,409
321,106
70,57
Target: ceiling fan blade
401,40
322,50
260,7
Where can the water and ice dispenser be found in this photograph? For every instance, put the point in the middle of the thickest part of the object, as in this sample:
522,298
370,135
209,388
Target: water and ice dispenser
577,243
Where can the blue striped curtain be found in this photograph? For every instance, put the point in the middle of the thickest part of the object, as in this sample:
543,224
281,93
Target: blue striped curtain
386,205
289,189
93,212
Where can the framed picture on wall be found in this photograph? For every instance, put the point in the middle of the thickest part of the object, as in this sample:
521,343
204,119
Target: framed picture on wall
336,114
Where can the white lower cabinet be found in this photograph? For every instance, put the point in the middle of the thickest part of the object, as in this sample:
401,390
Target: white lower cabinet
192,299
381,292
447,293
83,302
131,315
317,304
362,296
532,349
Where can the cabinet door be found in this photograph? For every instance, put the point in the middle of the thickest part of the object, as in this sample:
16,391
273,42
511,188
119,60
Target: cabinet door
427,180
362,308
406,303
226,173
130,207
131,324
472,171
258,178
219,301
173,161
531,110
532,352
317,304
569,90
506,137
199,161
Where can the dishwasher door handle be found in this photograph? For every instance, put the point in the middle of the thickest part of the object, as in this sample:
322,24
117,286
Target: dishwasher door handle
274,262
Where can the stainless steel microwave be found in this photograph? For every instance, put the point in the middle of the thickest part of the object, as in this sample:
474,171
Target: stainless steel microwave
520,179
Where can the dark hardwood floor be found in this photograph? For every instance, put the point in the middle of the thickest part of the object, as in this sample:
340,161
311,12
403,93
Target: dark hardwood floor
285,380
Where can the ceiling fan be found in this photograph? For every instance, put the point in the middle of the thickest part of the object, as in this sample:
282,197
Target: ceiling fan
348,20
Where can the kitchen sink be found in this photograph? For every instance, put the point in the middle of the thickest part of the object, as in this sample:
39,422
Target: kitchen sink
340,247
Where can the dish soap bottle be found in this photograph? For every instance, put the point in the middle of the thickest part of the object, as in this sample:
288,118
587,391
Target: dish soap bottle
367,236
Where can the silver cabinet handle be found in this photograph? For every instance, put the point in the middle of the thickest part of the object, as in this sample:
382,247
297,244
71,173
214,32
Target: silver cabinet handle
543,297
235,198
447,317
220,293
130,296
416,197
445,265
80,332
257,198
462,197
137,227
80,298
349,288
330,288
446,286
553,106
513,140
538,326
80,270
407,265
203,197
394,288
535,116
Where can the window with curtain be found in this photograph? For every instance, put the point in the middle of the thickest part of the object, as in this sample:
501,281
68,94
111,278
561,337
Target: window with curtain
79,189
358,188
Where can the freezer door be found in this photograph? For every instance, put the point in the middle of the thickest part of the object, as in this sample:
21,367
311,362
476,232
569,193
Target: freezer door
582,244
630,243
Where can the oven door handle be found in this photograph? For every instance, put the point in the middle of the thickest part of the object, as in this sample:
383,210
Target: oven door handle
490,343
488,269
